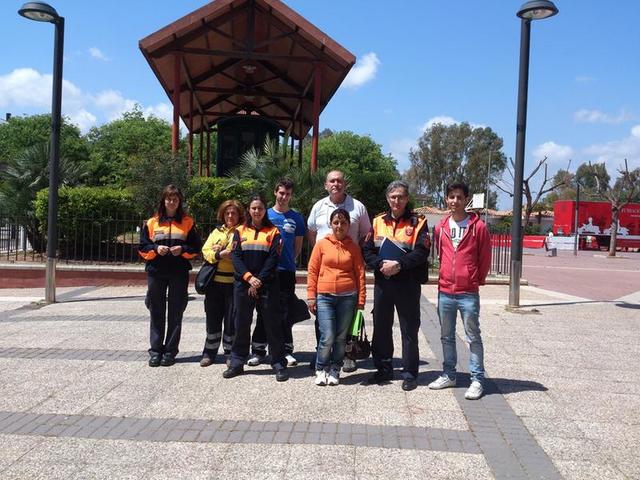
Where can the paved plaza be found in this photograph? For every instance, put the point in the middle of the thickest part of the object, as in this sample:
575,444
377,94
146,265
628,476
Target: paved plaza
77,399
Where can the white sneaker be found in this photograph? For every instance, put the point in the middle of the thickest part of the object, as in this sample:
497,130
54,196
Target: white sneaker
443,381
334,378
474,392
321,378
291,360
255,360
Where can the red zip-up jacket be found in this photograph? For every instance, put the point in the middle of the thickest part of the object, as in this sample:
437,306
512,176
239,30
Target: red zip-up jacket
464,269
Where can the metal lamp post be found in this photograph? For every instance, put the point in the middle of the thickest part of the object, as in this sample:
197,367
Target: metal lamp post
42,12
532,10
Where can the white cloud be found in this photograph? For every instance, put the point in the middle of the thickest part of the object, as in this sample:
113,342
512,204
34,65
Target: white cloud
596,116
30,91
614,152
97,54
556,154
446,121
364,71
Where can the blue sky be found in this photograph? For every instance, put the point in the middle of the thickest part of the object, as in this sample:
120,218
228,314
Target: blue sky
418,60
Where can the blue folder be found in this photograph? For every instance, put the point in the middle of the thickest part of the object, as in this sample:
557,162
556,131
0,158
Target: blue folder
389,250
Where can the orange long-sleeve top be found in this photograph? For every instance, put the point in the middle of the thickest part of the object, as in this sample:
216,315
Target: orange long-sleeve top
335,267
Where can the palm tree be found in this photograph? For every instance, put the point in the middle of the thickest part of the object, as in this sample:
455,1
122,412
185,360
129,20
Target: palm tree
273,162
23,176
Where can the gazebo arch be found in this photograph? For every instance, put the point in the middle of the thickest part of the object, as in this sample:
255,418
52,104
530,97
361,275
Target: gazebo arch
247,58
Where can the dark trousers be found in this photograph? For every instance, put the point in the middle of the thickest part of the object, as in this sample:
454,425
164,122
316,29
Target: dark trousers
166,289
287,285
218,305
405,297
267,305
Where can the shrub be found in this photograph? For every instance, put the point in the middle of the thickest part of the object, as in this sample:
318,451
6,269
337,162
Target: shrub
89,217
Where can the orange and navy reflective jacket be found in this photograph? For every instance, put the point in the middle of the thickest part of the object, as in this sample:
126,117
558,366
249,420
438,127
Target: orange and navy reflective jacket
169,232
411,233
256,252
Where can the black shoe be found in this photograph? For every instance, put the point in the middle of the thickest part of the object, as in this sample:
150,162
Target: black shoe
282,375
409,384
154,360
349,365
380,377
233,371
168,359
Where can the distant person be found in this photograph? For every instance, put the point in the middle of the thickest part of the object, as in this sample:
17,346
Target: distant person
291,226
335,289
256,248
464,249
218,298
319,226
399,273
168,241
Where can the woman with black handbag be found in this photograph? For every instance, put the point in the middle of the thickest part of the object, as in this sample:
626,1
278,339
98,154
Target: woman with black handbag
168,241
335,288
218,299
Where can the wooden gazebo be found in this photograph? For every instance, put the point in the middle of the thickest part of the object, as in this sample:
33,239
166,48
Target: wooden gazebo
235,58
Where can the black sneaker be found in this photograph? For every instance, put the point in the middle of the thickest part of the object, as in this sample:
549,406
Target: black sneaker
380,377
154,360
168,359
349,365
233,371
282,375
409,384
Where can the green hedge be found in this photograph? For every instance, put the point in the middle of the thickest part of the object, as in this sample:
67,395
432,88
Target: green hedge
89,217
205,194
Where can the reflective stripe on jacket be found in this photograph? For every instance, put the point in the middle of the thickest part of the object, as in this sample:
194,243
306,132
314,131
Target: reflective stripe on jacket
411,233
222,236
169,232
255,252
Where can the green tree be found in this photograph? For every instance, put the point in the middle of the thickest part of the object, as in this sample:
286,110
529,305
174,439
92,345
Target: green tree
116,145
21,133
458,152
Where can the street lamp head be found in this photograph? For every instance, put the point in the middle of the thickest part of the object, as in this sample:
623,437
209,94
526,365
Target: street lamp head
39,11
537,10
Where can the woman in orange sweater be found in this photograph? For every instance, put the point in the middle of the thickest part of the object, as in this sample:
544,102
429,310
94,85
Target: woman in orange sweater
335,288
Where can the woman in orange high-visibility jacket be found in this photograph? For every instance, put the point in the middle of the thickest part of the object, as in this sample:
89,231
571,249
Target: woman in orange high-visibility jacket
168,241
256,249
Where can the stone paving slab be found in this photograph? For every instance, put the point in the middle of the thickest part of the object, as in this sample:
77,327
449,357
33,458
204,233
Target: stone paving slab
76,395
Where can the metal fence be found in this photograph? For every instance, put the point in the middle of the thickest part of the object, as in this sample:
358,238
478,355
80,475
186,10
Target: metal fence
113,239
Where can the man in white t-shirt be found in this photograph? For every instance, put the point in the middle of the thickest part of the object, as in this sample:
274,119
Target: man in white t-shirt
318,223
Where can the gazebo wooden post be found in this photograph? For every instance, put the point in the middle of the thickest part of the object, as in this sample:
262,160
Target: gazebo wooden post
291,133
300,139
317,84
190,157
200,153
208,154
175,129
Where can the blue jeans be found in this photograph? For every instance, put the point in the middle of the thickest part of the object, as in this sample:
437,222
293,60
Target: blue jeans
469,306
335,314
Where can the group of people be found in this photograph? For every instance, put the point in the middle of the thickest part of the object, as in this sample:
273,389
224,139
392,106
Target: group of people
255,251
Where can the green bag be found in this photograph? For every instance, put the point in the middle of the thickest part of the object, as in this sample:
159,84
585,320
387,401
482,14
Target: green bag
356,324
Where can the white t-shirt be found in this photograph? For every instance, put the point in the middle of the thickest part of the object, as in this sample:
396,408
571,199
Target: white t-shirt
458,229
321,212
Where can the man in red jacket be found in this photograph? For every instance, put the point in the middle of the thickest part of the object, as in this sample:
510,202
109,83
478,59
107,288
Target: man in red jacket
464,249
